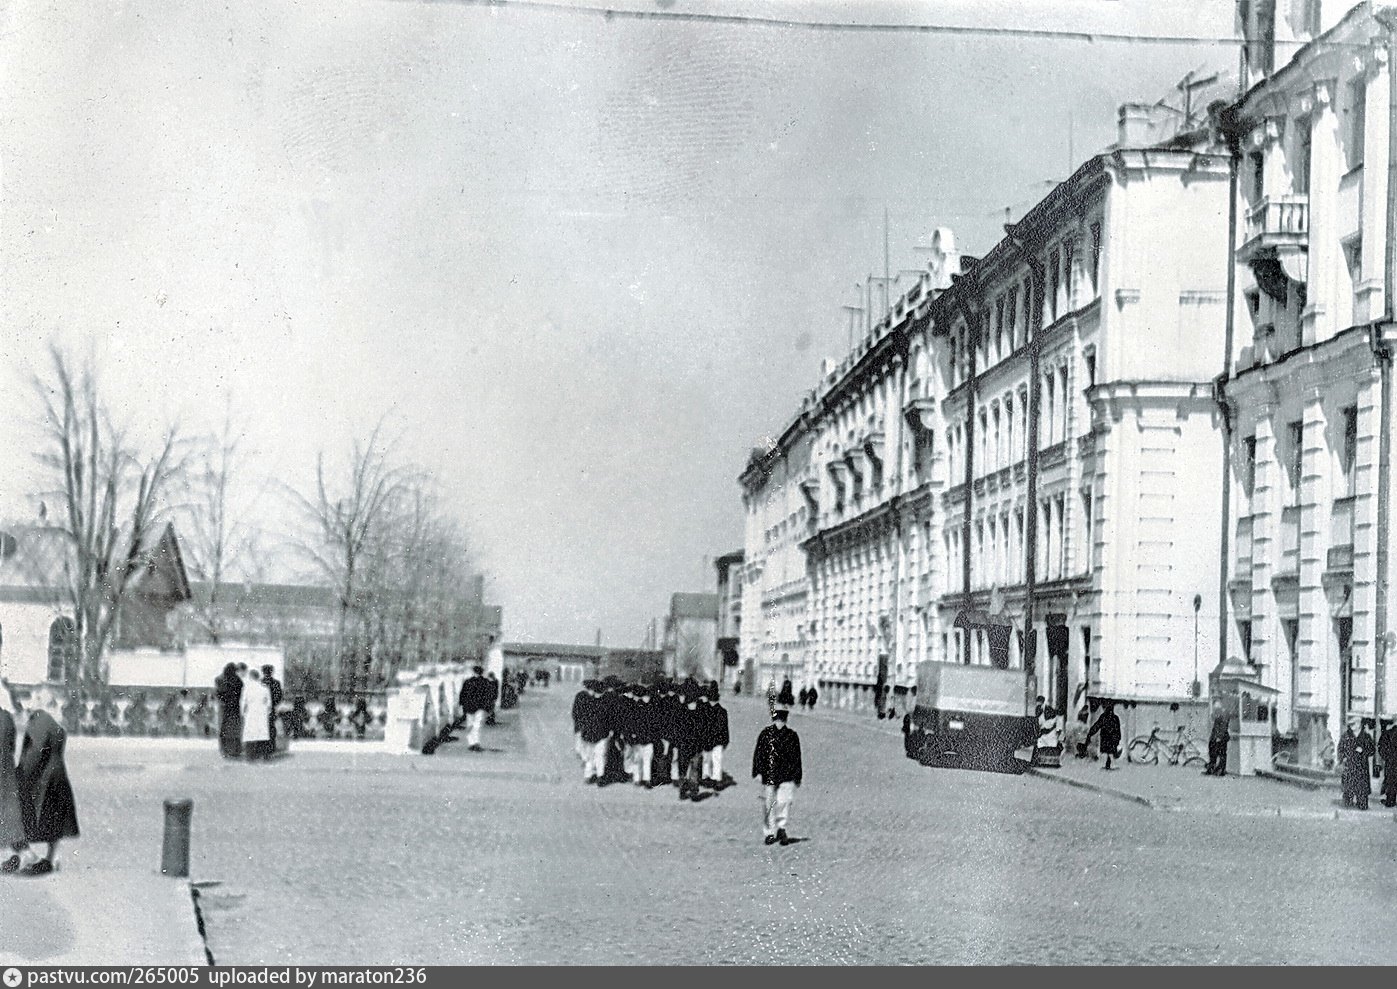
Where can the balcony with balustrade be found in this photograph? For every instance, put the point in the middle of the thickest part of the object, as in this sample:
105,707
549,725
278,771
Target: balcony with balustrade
1275,226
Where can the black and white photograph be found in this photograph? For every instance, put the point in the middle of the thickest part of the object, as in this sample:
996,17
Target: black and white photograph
688,483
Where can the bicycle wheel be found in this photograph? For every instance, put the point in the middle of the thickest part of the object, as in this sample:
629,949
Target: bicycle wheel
1142,751
1190,756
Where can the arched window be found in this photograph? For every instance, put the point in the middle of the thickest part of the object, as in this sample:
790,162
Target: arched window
63,649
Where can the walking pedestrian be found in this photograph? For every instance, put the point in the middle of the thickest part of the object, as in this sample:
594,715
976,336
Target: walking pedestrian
256,707
1354,752
476,697
786,697
45,794
688,740
1387,751
1048,750
1109,727
274,689
14,848
776,762
1218,738
494,699
229,689
814,696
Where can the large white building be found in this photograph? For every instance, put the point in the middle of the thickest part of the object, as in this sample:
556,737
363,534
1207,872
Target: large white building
774,640
1308,570
1077,359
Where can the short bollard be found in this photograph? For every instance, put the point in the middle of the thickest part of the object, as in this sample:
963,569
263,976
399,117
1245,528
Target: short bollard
174,856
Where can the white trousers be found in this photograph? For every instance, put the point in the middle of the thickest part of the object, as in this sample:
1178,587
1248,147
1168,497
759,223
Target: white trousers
596,761
713,764
776,807
473,722
643,757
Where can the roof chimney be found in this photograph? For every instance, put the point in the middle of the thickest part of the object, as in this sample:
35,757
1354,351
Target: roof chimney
1136,126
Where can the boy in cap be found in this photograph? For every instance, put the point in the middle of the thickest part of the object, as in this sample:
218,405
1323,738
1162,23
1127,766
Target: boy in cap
776,761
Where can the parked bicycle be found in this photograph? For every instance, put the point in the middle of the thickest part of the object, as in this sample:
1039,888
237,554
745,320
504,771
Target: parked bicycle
1182,751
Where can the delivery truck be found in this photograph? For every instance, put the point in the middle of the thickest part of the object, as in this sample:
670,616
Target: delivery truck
972,716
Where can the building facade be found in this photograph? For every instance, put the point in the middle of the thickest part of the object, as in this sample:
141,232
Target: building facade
1307,575
729,642
1018,465
690,644
1076,360
774,642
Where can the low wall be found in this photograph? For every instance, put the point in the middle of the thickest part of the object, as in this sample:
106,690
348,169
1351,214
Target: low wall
174,712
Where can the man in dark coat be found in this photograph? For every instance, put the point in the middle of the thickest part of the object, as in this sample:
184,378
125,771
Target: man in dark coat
494,697
814,696
786,697
1109,725
596,734
476,697
1387,750
717,739
274,688
13,843
229,689
45,795
688,741
642,731
1218,739
776,762
1354,753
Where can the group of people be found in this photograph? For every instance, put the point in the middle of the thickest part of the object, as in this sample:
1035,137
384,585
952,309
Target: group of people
1355,753
247,703
787,697
36,798
652,735
667,732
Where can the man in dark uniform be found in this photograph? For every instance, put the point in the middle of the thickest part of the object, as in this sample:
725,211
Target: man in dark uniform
476,698
776,761
689,741
274,688
642,729
718,739
1387,749
1218,739
1109,725
786,697
1354,754
581,705
596,734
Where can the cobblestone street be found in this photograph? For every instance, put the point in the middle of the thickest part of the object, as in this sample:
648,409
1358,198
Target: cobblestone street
505,857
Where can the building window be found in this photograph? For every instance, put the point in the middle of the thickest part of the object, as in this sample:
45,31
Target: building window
1009,448
63,649
1066,408
998,437
1095,258
1049,413
1012,312
1353,259
1088,543
1348,449
1248,465
1301,171
1244,635
1067,275
1090,359
1257,162
1054,282
1295,432
1356,132
1264,41
1020,566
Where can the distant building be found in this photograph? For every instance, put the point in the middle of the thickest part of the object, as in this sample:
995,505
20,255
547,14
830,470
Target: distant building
779,498
729,567
691,637
38,634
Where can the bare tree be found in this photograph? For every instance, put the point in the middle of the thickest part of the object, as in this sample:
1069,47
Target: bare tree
221,536
342,524
112,504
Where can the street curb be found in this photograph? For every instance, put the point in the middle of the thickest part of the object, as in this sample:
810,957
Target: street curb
1171,807
1092,787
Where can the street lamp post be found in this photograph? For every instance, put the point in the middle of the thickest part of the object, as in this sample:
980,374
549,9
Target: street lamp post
1197,604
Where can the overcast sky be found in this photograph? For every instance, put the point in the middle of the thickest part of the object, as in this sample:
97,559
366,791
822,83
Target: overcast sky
583,265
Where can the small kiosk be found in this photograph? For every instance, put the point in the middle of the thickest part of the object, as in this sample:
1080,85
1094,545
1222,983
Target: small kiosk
1251,710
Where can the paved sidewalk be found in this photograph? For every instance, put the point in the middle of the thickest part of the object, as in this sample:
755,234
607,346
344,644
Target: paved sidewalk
1187,790
92,916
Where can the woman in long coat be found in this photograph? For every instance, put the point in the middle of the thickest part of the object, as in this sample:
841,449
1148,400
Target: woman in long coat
45,795
229,688
12,841
257,714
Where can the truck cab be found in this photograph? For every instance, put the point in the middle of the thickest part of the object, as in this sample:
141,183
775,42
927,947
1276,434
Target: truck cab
971,716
